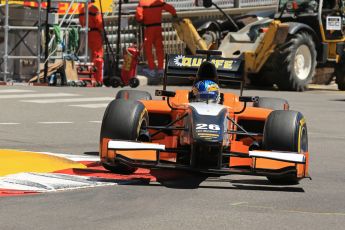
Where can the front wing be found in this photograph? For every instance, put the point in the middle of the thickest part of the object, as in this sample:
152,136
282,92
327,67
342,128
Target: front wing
259,163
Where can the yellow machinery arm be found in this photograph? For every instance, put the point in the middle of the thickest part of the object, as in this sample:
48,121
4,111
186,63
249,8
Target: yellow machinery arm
275,34
188,34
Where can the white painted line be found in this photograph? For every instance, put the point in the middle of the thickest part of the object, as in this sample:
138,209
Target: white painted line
91,106
239,203
9,123
33,95
49,101
95,121
55,122
16,91
72,157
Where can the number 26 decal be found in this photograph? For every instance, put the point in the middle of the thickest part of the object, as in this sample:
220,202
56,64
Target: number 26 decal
208,126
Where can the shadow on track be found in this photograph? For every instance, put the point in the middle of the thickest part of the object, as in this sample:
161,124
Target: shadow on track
187,180
181,179
94,153
338,100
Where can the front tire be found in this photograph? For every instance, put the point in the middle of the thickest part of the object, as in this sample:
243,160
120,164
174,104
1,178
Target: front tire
285,130
124,120
295,63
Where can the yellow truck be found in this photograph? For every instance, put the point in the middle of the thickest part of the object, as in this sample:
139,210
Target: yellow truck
284,49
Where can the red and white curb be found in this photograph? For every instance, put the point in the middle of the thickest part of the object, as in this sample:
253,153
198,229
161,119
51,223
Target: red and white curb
94,175
49,182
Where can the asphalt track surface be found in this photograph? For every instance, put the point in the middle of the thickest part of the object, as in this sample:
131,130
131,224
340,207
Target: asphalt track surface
186,202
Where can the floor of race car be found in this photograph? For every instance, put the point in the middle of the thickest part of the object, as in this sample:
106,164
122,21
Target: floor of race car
25,173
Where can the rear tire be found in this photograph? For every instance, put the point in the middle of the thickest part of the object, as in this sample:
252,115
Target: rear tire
124,120
295,63
133,95
272,103
285,131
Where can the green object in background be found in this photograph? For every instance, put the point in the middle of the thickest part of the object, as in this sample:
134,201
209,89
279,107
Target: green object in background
57,33
73,40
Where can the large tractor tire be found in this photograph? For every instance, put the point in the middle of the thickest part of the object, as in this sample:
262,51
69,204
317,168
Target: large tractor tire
135,95
124,120
285,130
339,72
295,63
271,103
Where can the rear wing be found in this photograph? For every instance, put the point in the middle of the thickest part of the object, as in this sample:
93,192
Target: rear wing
228,69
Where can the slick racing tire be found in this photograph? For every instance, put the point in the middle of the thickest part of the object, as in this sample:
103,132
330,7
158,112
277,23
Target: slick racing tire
133,95
285,130
124,120
271,103
295,63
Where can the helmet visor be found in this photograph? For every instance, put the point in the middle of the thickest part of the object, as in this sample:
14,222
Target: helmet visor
208,96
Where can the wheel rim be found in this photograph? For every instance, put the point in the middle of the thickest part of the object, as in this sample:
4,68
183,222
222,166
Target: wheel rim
143,134
302,63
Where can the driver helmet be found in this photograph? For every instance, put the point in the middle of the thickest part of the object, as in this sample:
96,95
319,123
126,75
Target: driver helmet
206,90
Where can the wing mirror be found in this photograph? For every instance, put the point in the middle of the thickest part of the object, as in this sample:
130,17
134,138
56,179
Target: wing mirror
248,99
165,93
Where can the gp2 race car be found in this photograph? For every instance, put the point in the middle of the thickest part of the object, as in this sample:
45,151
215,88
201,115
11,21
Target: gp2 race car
238,135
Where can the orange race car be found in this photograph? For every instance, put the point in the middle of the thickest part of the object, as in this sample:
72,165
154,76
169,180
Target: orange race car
205,130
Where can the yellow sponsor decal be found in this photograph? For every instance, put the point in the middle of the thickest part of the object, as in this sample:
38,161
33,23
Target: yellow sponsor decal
196,62
141,120
302,121
300,128
208,135
228,64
